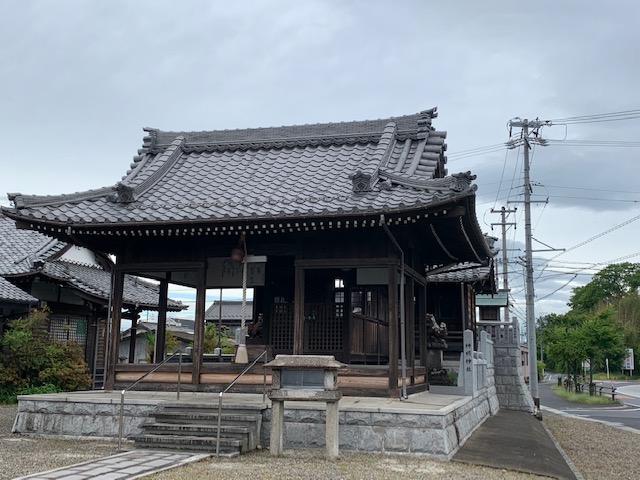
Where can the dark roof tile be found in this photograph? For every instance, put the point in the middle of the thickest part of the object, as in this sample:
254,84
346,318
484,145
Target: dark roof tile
263,172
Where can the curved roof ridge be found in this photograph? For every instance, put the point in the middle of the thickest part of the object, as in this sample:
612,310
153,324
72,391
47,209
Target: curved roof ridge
21,201
334,130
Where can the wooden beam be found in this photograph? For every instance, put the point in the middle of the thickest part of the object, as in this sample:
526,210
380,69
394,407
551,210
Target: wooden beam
158,267
298,312
345,262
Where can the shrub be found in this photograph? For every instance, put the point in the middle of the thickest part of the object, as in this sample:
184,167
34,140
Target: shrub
30,359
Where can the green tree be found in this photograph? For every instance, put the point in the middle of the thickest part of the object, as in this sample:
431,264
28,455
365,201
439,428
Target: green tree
608,285
566,345
211,339
603,339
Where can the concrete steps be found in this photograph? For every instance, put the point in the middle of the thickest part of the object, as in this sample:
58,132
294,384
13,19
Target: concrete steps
194,428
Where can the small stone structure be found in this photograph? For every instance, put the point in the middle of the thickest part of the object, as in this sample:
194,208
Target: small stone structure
513,393
305,378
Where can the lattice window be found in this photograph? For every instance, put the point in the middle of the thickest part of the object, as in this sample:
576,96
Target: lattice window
323,328
281,327
69,328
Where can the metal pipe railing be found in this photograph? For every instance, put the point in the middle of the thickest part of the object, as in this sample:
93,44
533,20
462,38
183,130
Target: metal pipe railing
221,394
125,390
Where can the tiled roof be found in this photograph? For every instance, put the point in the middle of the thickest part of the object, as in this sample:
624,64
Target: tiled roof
462,272
11,293
19,249
231,310
336,169
94,281
25,252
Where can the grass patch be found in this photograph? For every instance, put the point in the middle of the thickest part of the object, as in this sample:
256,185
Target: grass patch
615,376
583,397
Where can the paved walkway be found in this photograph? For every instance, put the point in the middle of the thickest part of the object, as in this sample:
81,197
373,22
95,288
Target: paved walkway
518,441
122,466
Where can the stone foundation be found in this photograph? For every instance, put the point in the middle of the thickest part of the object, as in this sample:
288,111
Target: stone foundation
416,426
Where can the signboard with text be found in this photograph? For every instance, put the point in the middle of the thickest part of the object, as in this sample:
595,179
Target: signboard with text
628,363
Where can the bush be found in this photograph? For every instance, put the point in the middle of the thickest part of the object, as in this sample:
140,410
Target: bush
31,360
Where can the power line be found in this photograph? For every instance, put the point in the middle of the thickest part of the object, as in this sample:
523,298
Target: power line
595,237
600,117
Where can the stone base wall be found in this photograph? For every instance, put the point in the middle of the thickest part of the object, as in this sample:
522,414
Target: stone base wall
405,429
436,434
512,391
51,415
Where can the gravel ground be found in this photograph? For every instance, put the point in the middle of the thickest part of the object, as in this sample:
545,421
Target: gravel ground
23,455
598,451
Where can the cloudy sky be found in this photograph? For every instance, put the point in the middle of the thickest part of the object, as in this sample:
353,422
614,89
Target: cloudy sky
80,79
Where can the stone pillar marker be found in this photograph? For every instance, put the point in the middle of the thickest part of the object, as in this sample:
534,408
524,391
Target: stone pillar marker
305,378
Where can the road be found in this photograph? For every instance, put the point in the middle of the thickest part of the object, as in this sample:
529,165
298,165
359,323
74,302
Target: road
627,414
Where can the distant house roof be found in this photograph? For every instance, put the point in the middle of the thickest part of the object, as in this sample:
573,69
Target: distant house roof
231,310
199,182
12,294
26,252
182,333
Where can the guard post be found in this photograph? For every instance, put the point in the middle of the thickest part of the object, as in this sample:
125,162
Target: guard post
304,378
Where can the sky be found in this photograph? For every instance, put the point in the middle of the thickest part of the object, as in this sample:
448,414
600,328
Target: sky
80,79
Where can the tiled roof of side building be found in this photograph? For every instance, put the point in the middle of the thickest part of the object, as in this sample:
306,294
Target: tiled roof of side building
11,293
93,280
19,249
367,167
25,252
463,272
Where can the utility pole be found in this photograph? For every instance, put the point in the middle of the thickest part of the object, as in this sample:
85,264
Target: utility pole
505,269
531,319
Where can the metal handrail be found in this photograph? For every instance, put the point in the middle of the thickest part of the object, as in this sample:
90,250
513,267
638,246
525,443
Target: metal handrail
125,390
221,394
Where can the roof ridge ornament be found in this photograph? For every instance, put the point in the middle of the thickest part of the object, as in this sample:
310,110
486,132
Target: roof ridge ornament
123,194
457,182
361,182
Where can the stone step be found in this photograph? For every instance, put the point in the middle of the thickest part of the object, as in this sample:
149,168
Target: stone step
170,416
246,433
190,443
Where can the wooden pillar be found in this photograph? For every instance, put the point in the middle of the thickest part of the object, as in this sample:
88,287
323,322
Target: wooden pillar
133,332
394,330
198,333
298,312
116,318
421,297
410,326
161,331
